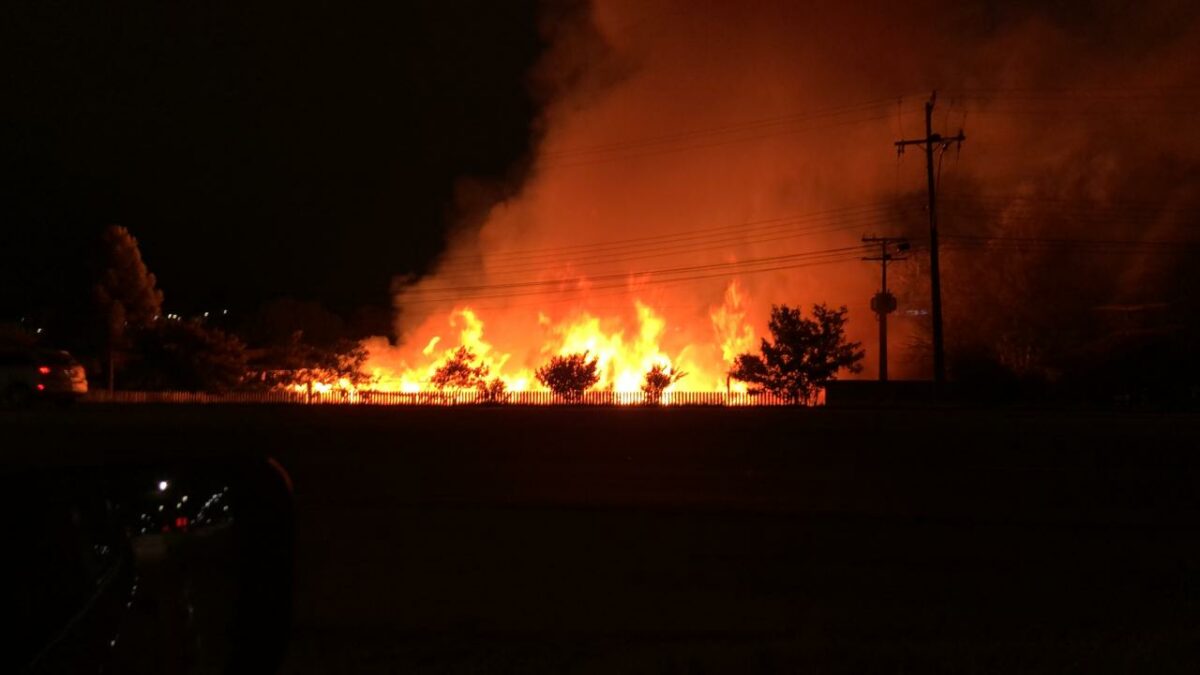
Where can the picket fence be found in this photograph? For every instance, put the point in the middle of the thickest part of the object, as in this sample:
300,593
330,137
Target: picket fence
524,398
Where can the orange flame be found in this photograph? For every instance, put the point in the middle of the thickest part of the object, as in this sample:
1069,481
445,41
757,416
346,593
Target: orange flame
625,350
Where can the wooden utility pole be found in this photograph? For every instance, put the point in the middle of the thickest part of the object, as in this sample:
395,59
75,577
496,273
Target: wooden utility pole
884,303
930,142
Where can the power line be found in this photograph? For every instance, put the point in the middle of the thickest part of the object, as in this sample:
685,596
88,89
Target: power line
727,244
1077,218
558,252
1087,112
637,249
1010,208
662,144
1113,93
648,282
440,294
613,260
1064,241
670,270
758,123
1006,200
625,290
652,152
1091,95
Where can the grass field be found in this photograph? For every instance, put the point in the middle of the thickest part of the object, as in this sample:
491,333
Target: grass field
698,540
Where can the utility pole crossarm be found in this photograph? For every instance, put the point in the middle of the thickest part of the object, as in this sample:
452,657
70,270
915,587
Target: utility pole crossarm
935,139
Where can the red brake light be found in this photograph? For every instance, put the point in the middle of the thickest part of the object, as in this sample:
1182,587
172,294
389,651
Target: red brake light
45,370
41,387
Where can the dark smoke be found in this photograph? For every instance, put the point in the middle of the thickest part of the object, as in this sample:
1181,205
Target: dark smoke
670,117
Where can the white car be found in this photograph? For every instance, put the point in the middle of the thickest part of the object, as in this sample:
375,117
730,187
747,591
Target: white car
30,375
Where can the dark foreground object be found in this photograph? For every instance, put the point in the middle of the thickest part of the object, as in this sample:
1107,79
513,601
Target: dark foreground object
710,541
140,568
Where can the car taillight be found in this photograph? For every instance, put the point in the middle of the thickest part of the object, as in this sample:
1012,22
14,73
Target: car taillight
45,370
41,387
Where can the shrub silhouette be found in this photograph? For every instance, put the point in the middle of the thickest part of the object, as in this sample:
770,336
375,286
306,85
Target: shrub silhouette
494,391
460,371
805,354
569,376
656,381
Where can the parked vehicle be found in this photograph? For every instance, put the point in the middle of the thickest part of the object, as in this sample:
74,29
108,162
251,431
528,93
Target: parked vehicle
30,375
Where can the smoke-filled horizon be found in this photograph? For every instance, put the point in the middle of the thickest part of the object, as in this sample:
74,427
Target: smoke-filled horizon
698,162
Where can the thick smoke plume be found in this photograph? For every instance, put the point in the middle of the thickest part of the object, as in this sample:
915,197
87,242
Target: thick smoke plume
706,136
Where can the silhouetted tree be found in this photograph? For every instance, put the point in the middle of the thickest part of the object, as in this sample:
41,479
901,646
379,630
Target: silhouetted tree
346,359
460,371
494,391
805,353
656,381
298,362
186,355
369,321
125,295
570,375
276,323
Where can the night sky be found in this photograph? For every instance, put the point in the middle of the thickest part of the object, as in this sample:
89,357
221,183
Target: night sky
257,150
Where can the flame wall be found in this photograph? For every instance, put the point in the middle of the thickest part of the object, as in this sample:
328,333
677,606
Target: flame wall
705,136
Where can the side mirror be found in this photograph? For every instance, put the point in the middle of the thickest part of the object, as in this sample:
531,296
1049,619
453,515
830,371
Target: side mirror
139,569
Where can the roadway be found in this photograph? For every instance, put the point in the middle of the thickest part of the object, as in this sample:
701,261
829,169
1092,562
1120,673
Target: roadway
710,540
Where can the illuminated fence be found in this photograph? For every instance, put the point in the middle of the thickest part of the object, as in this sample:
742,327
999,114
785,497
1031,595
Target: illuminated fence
529,398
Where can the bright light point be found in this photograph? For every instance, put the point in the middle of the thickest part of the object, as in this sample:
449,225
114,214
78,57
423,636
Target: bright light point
163,485
183,499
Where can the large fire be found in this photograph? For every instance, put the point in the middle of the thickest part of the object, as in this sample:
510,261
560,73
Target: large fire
624,350
696,163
